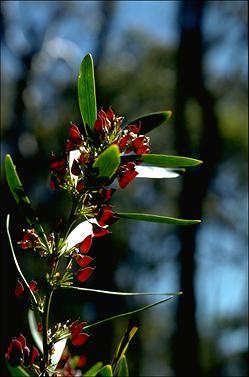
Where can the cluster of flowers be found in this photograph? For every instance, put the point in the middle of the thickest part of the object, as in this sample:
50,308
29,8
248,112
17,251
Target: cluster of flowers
74,171
75,174
19,354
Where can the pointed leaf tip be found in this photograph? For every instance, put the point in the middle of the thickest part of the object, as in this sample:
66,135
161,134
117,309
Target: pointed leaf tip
150,121
86,91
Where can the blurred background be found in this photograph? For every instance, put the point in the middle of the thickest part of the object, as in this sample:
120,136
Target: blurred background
186,56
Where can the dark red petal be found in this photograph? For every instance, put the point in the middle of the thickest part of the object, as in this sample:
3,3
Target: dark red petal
81,361
138,141
100,232
26,356
106,215
34,355
79,339
86,244
107,193
73,325
75,169
19,289
135,128
144,149
77,328
74,134
123,142
99,124
15,353
22,340
33,285
110,114
52,183
58,166
39,327
83,260
83,275
80,185
126,178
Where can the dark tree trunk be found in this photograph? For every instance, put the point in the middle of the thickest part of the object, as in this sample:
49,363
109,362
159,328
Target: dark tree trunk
190,84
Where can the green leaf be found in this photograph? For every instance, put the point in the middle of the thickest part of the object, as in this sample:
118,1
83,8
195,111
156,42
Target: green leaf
150,121
107,162
22,199
120,293
165,161
123,370
33,298
33,329
106,371
128,313
156,218
86,92
17,372
16,187
124,343
93,370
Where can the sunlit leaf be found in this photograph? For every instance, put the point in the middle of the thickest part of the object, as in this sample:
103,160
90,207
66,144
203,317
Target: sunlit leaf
156,218
122,367
164,161
17,372
86,92
150,121
77,235
33,298
56,355
155,172
106,371
33,329
115,293
107,162
21,198
92,372
124,343
127,314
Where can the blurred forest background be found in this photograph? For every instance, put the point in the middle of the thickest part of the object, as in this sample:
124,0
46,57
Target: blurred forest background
186,56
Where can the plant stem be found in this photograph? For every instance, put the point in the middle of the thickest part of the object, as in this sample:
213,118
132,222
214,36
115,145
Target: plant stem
45,326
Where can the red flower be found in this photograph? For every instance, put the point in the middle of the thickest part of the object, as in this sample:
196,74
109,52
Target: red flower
19,289
30,239
77,337
75,135
19,354
84,274
85,245
14,354
33,285
106,216
83,260
127,174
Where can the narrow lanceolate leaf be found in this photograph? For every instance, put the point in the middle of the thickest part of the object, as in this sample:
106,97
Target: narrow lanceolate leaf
33,298
123,370
124,343
156,218
164,161
155,172
21,198
92,372
33,329
107,162
86,92
58,348
106,371
127,314
17,372
150,121
120,293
